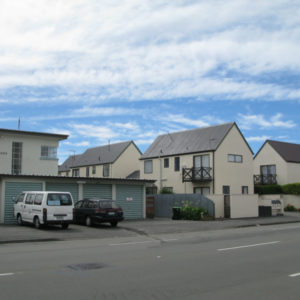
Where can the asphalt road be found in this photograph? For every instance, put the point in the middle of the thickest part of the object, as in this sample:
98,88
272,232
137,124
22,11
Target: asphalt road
243,263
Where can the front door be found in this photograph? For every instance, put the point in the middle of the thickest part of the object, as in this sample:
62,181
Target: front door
226,192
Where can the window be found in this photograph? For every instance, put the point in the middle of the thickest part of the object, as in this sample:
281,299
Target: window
148,166
176,164
48,152
16,166
202,166
75,173
105,170
166,163
94,170
21,198
38,199
59,200
268,174
202,190
226,189
244,189
87,172
235,158
30,198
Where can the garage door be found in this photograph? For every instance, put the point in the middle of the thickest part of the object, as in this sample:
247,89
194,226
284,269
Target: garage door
64,187
13,189
97,191
130,197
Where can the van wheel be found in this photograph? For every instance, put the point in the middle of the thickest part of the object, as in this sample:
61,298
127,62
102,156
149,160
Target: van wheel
19,220
64,225
88,221
37,223
114,223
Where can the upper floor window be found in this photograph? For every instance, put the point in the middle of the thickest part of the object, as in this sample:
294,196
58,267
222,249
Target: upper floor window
245,189
177,164
166,162
49,152
235,158
16,164
105,170
148,168
75,172
87,172
94,170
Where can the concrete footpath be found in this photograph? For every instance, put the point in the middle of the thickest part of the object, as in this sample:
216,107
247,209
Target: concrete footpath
27,233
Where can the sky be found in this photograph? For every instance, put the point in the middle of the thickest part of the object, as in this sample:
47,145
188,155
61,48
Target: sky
106,71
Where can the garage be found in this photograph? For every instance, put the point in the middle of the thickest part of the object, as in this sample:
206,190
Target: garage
129,193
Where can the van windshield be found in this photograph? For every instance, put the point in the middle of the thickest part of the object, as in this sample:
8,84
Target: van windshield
59,199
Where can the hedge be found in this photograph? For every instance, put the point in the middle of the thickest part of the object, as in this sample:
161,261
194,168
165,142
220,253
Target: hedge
268,189
292,188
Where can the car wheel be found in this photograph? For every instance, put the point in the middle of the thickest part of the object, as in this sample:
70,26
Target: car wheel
64,225
88,221
37,223
114,223
19,219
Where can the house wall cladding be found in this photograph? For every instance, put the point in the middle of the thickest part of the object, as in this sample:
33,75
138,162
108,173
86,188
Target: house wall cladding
130,198
64,187
13,189
97,191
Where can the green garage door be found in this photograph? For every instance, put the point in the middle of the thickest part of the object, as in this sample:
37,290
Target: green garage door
64,187
130,197
13,189
103,191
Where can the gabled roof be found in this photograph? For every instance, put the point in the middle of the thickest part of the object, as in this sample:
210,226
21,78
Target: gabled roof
22,132
189,141
288,151
97,156
68,163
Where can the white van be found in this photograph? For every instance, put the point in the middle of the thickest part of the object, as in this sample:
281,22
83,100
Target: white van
43,208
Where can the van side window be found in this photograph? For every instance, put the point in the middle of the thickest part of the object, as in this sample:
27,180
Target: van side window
29,199
38,199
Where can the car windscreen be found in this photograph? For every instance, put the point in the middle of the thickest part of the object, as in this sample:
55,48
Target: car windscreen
108,204
54,199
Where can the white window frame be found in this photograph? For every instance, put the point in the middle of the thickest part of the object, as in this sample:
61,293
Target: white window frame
148,166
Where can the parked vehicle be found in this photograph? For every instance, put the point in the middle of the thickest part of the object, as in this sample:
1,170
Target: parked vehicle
44,208
92,210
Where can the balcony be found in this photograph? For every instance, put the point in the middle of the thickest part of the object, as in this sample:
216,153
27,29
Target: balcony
196,174
265,179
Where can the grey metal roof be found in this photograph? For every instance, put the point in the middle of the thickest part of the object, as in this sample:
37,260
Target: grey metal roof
68,163
97,156
289,152
54,135
189,141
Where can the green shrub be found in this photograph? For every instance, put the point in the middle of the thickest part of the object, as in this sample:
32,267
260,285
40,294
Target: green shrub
188,212
268,189
290,207
292,188
165,190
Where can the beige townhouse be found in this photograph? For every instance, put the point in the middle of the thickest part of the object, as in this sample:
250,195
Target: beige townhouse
117,160
210,160
277,163
28,152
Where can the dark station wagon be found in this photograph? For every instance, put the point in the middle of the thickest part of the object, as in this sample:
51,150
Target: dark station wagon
94,211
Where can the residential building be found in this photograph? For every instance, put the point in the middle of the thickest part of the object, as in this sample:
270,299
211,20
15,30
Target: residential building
210,160
28,152
114,160
277,162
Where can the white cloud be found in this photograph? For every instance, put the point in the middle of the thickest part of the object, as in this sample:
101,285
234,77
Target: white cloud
250,121
258,138
167,50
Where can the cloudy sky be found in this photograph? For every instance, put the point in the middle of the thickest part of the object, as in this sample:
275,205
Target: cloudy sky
111,70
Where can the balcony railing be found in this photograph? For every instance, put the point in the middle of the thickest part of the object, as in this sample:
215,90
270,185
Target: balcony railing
196,174
265,179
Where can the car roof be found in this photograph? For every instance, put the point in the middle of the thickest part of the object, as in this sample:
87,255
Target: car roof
97,199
